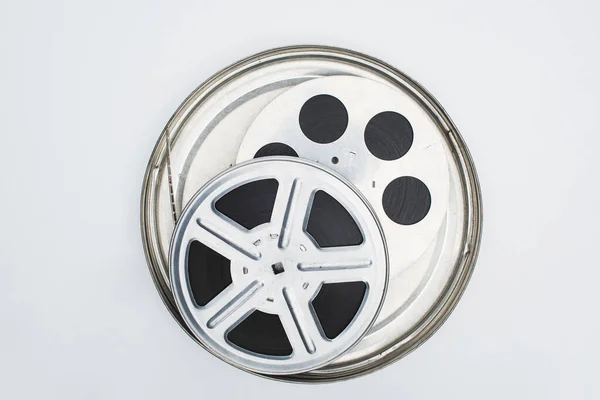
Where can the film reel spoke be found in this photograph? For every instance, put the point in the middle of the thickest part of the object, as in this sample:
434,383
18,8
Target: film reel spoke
338,264
226,237
319,275
290,209
229,307
299,328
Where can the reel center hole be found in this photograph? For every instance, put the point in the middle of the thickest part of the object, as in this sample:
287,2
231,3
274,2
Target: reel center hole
277,268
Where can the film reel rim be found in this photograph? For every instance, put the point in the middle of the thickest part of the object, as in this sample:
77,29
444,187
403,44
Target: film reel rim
469,184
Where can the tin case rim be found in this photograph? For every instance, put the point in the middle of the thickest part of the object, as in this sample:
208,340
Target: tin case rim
473,217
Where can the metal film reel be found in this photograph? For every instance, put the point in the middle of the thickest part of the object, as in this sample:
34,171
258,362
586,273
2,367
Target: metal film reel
278,271
384,138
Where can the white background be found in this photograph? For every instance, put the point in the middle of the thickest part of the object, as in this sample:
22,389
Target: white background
86,87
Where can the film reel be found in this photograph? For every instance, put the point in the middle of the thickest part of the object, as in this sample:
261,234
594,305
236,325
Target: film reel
378,138
289,304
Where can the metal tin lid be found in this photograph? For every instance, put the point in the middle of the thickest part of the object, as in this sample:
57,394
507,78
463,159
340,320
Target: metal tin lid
357,117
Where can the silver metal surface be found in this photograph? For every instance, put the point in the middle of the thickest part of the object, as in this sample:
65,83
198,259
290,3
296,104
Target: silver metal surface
208,136
363,99
283,240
